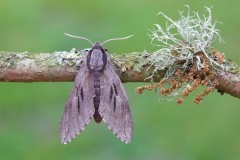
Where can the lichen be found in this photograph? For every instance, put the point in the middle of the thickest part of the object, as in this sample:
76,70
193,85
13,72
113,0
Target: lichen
182,39
134,61
186,54
68,58
232,67
22,55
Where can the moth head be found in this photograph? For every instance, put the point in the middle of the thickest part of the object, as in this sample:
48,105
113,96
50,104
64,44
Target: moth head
97,45
96,57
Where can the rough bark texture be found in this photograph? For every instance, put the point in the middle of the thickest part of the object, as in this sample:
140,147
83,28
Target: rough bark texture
62,66
55,67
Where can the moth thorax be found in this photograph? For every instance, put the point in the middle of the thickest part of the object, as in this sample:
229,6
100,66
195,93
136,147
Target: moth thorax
96,60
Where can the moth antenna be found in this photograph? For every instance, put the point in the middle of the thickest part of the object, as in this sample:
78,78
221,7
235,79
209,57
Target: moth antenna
113,39
78,37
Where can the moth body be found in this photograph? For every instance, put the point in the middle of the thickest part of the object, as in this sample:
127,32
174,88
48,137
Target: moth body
97,93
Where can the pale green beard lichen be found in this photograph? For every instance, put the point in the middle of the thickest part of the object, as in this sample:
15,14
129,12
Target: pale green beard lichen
181,39
186,55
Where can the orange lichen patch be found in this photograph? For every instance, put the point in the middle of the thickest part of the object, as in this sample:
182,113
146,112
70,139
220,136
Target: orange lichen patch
187,79
140,89
187,91
179,100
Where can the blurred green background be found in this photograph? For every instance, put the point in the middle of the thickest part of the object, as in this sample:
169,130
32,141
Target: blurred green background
30,112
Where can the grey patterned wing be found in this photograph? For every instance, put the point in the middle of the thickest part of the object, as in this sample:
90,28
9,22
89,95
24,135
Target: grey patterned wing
114,106
79,108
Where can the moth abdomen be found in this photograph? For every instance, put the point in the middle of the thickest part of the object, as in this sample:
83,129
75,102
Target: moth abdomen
96,98
96,86
97,117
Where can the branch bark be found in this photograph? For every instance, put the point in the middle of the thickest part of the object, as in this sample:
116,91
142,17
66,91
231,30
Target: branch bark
62,66
55,67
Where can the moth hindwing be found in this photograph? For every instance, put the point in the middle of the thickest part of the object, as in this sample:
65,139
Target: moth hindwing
98,93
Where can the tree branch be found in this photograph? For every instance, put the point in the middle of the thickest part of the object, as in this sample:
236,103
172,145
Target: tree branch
185,61
56,67
62,66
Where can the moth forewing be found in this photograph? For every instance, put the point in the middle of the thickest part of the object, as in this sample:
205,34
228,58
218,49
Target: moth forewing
79,108
114,106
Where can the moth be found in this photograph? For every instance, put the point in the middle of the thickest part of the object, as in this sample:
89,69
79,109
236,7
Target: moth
98,93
